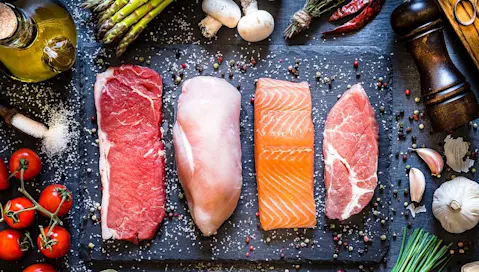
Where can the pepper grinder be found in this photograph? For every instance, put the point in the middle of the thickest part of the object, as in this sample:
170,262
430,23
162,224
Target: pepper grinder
446,94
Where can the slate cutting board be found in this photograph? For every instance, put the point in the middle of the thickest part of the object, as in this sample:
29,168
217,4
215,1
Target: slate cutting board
178,239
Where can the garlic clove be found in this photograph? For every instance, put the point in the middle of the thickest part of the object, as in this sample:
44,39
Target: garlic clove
417,184
433,160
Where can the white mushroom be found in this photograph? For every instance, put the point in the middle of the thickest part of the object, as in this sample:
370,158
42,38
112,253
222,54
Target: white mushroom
256,25
220,12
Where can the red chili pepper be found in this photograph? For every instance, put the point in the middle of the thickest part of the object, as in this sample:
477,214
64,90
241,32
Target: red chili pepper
360,20
348,9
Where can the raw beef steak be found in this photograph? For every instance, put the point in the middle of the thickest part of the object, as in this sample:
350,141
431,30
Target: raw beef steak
350,149
128,100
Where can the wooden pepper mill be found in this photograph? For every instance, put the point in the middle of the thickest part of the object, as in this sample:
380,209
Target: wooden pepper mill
445,92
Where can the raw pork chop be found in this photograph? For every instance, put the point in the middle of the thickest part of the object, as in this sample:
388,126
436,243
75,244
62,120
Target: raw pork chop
207,144
284,154
350,149
128,100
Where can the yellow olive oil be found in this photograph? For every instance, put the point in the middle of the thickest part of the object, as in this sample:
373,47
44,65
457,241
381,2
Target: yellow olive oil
42,43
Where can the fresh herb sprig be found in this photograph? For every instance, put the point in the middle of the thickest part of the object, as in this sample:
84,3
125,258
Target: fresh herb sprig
423,252
312,8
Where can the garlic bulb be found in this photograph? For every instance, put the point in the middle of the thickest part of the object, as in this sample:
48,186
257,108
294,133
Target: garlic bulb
456,205
417,184
470,267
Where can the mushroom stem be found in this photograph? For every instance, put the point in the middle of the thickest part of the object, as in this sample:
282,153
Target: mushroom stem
209,26
455,205
249,6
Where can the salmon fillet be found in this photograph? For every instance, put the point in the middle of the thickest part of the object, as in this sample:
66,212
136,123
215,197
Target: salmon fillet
284,154
351,149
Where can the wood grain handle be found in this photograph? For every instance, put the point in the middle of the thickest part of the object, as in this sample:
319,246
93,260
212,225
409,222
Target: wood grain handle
445,92
7,113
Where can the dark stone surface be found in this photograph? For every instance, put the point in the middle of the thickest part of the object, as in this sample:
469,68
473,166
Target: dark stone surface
179,241
378,33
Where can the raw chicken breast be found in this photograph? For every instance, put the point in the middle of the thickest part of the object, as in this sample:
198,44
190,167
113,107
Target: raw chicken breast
207,144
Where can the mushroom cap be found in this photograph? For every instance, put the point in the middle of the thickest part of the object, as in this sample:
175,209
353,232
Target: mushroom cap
256,26
225,11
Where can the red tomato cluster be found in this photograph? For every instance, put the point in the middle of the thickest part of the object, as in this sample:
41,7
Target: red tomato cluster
19,213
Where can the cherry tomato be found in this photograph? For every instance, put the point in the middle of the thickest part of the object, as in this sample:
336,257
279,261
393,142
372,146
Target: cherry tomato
40,268
55,245
27,160
4,181
12,245
16,219
51,197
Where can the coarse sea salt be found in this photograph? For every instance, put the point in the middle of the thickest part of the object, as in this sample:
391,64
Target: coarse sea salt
56,139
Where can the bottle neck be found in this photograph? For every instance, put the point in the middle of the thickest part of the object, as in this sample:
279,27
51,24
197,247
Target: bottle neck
17,30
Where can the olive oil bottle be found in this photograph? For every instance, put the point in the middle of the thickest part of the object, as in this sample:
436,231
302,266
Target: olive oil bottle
37,39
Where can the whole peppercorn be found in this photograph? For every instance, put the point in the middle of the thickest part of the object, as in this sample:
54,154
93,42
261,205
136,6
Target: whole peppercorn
356,63
407,92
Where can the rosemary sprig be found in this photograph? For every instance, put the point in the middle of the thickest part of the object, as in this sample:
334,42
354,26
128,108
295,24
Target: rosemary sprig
302,18
423,252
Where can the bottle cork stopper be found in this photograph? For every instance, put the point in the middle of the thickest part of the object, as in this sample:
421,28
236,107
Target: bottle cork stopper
8,21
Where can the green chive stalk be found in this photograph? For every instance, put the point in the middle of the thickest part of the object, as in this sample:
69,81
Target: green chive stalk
423,252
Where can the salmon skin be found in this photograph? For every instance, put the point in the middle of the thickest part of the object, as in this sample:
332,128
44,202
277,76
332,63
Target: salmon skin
284,154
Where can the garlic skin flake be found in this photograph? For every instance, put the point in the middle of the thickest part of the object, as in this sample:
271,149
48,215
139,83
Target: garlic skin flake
416,210
432,158
417,184
456,205
455,151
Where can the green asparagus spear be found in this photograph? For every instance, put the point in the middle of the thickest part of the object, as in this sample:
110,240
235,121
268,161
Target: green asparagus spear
120,15
138,27
114,8
120,28
88,4
103,6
